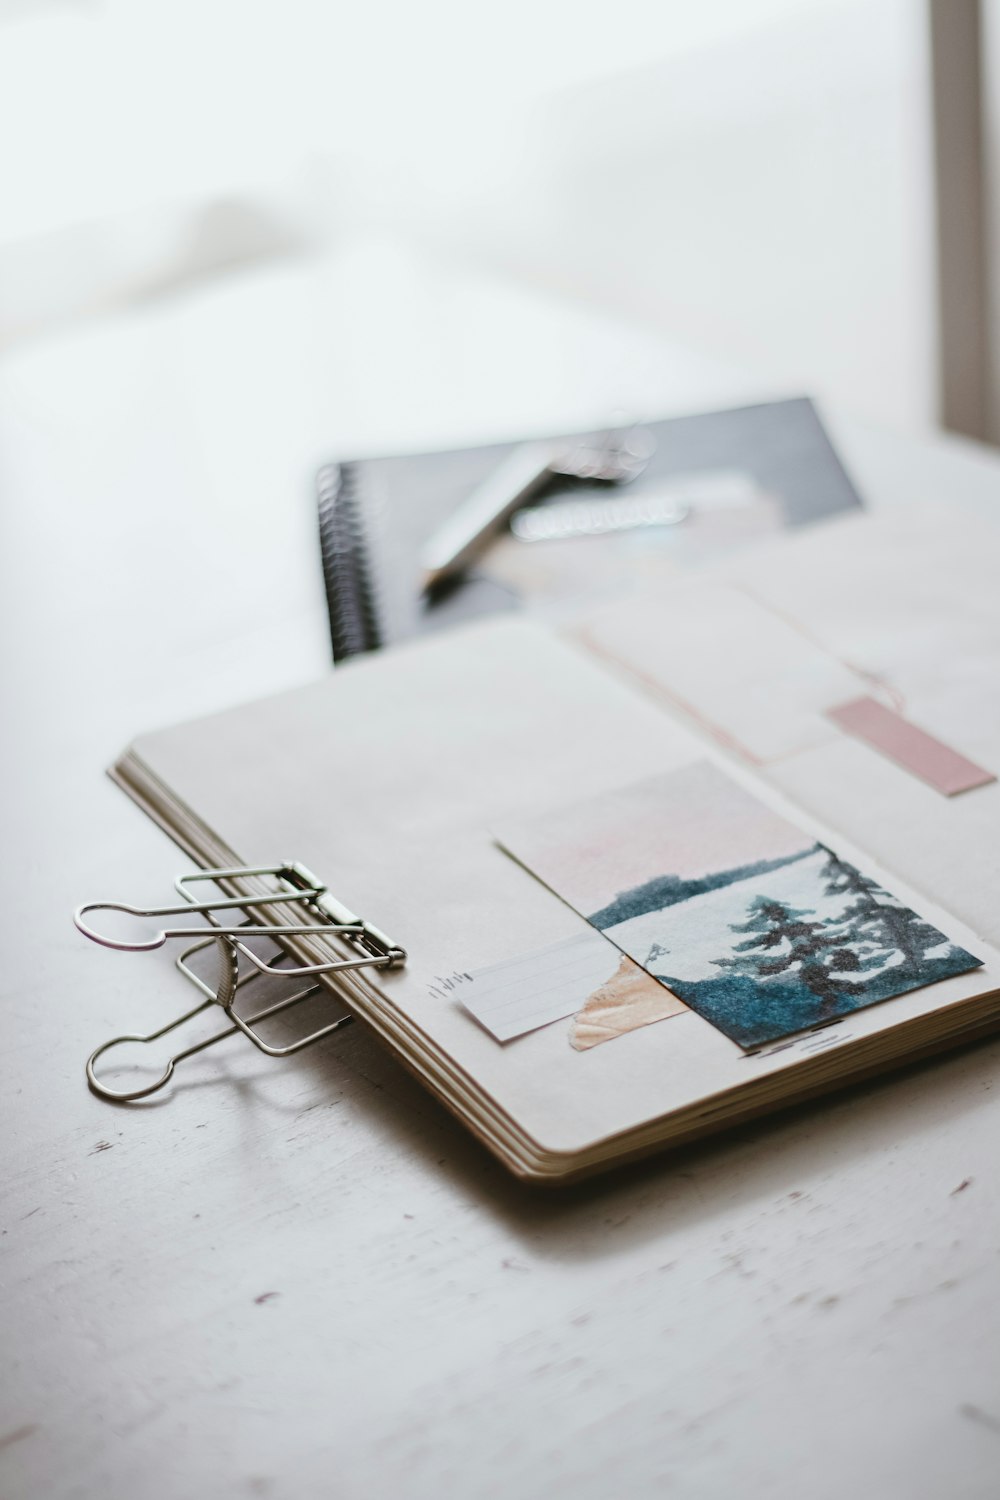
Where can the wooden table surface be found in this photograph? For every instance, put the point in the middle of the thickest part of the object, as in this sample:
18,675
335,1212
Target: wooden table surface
301,1278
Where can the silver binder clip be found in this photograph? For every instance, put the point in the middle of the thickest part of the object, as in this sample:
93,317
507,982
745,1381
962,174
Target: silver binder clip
270,887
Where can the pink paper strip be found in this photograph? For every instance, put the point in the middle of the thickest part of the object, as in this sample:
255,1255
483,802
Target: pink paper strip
912,748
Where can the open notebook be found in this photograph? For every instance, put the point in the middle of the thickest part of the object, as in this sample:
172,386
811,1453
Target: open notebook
647,886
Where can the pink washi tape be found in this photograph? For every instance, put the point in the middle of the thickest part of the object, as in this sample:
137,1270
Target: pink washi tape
914,749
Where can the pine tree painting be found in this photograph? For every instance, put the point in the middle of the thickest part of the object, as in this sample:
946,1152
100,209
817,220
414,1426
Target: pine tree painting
746,918
818,944
877,918
812,949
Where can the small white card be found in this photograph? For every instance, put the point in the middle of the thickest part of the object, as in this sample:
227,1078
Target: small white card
524,993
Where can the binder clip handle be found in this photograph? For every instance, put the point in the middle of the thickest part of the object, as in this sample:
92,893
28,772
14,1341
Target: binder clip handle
295,884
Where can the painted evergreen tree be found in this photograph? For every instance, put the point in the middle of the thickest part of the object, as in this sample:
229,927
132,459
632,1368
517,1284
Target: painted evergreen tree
875,917
810,948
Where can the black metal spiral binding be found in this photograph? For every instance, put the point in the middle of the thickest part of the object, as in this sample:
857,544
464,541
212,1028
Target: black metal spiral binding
350,589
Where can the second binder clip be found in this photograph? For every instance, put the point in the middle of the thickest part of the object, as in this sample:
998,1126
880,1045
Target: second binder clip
278,885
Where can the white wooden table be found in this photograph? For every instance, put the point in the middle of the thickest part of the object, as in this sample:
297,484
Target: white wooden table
302,1279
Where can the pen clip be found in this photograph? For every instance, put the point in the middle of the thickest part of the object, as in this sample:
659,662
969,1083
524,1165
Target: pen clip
520,477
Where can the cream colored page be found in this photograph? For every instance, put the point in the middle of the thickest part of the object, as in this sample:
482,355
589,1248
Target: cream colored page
385,780
910,602
714,655
904,607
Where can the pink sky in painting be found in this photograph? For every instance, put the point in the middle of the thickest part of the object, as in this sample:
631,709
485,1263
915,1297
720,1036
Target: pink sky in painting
689,822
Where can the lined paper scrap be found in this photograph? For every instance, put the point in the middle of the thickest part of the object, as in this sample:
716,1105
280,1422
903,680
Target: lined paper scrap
914,749
532,990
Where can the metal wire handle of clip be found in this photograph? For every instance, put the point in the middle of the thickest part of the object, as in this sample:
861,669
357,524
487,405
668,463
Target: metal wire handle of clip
298,886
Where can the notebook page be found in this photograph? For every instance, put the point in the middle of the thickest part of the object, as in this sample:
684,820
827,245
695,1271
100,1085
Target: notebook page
386,779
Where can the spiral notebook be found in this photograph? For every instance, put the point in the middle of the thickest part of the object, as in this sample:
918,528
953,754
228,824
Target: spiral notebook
376,513
641,897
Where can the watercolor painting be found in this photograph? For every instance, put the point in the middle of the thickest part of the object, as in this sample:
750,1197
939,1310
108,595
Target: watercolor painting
746,918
